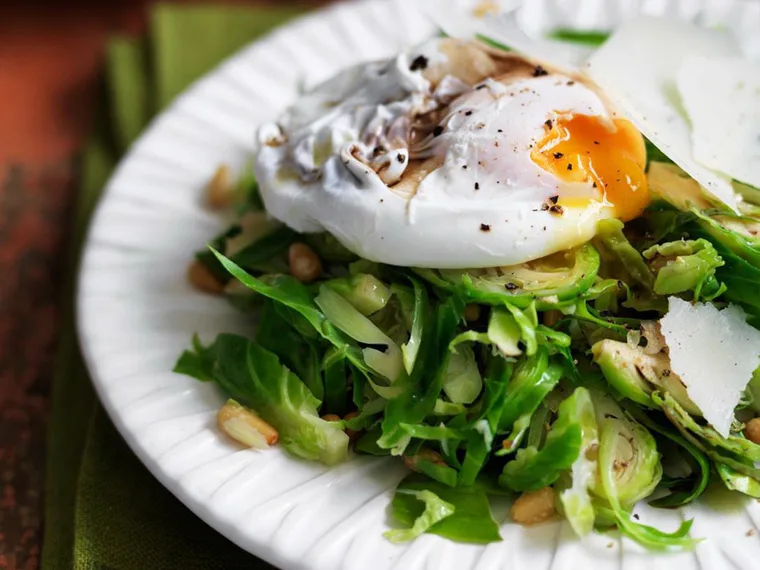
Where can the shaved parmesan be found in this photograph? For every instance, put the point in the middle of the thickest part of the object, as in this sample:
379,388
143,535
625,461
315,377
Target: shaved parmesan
721,95
636,68
506,29
463,18
714,352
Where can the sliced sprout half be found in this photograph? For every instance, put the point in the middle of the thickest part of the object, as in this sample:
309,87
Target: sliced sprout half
559,278
635,374
575,499
628,456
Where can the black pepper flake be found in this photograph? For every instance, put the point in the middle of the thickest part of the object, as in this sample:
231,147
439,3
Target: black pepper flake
480,87
420,62
438,131
467,113
557,209
544,207
558,155
549,123
666,372
594,185
485,227
464,167
401,157
539,71
571,83
501,130
569,166
596,142
521,345
637,517
510,286
477,186
379,149
554,199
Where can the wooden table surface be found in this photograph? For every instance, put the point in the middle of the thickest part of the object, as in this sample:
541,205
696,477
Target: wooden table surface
50,62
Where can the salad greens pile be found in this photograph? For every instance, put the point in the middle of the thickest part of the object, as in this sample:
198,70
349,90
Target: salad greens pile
504,380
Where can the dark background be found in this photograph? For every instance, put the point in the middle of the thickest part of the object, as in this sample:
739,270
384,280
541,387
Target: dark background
51,53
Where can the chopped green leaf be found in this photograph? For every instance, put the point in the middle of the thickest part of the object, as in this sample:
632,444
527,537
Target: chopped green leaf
471,520
197,362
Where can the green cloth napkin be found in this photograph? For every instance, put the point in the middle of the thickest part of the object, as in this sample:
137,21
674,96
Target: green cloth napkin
104,510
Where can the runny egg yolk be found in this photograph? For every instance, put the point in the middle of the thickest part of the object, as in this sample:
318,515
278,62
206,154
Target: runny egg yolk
583,148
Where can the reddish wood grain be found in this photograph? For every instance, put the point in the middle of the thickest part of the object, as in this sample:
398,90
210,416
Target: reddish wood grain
51,54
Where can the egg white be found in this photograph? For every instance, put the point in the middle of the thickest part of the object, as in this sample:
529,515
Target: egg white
478,200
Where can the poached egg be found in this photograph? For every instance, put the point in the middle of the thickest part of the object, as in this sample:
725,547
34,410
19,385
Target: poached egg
450,156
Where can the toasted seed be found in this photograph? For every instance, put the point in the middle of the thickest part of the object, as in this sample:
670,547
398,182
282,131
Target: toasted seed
331,418
752,430
242,425
534,507
304,264
472,312
424,454
220,191
551,318
202,279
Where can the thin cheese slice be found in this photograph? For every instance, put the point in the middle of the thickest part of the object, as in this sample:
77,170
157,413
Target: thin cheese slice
721,95
714,353
463,18
636,68
506,29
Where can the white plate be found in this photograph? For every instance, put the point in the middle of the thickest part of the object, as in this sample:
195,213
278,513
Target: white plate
137,313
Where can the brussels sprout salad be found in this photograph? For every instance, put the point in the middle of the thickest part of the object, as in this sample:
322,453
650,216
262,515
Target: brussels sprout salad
580,383
549,375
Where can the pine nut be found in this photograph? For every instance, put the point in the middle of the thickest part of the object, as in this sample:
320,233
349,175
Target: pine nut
534,507
423,454
471,312
331,418
245,427
304,264
202,279
220,191
551,318
752,430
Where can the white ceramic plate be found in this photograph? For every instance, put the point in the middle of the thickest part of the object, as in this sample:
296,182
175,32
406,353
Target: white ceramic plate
137,313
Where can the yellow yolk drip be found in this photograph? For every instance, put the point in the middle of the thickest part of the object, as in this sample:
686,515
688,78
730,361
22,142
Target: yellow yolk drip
583,148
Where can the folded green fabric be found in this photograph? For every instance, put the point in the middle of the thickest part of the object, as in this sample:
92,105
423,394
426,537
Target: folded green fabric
104,510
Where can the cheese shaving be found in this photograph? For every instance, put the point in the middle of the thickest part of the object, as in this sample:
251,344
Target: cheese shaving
636,68
721,95
714,352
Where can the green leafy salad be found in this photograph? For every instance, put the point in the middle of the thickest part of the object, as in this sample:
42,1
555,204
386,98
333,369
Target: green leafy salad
619,370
